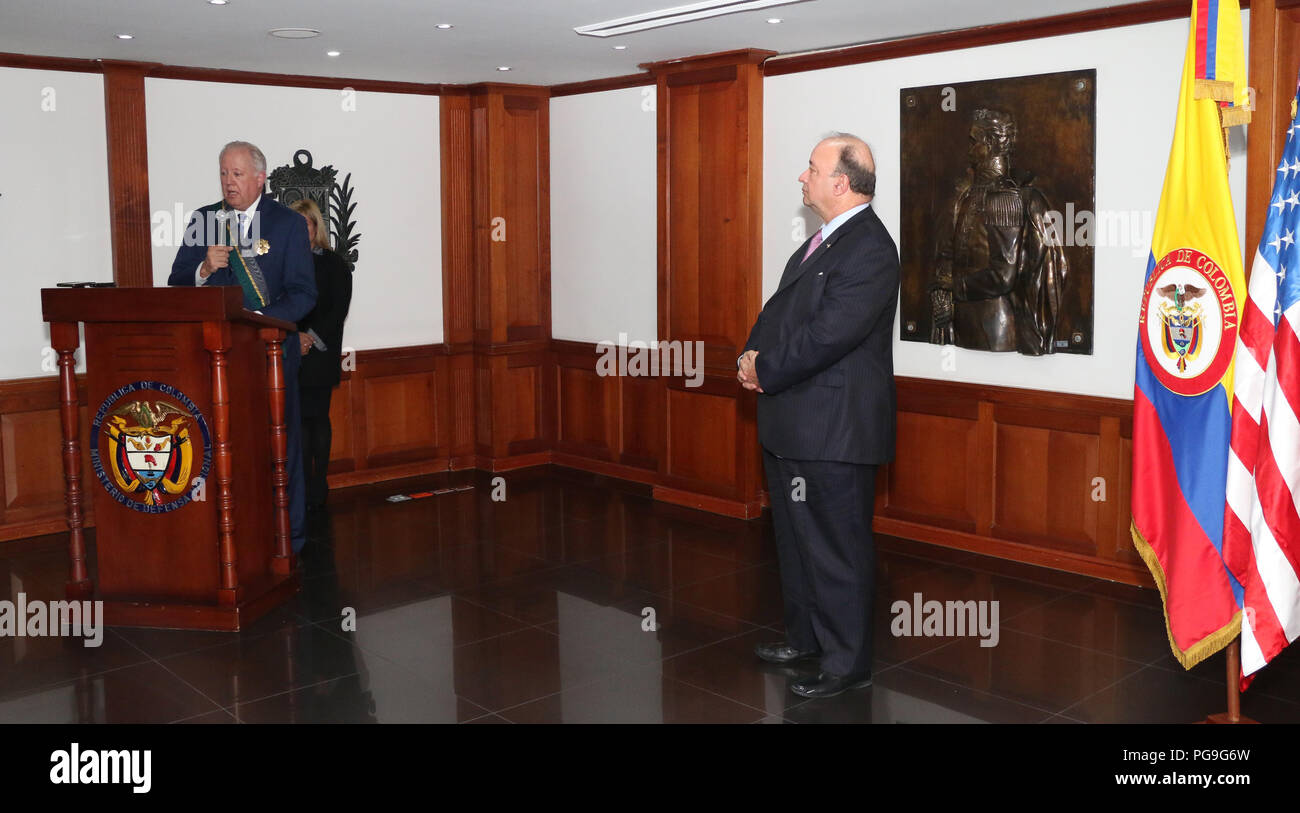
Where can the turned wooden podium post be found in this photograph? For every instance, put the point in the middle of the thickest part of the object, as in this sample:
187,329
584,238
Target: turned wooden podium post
185,396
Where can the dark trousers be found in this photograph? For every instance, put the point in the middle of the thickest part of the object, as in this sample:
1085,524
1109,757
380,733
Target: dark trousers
317,435
827,557
293,432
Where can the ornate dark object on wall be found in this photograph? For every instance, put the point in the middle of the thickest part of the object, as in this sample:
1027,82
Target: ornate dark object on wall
998,229
301,180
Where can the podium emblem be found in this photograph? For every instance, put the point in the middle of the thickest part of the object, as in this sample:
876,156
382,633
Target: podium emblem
150,445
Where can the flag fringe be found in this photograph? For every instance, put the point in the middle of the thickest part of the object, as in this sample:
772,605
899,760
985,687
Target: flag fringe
1203,648
1219,90
1233,116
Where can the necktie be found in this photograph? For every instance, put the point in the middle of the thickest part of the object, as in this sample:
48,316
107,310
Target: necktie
243,223
816,241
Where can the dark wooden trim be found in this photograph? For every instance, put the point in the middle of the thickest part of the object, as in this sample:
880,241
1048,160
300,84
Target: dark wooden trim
512,462
1015,551
740,56
50,63
631,80
128,173
959,392
706,502
507,88
703,76
366,477
292,80
1018,31
197,74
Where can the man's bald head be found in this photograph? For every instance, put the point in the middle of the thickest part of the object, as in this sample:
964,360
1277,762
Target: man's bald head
855,162
841,175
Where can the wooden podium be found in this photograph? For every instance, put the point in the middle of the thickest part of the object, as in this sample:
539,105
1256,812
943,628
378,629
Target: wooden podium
185,395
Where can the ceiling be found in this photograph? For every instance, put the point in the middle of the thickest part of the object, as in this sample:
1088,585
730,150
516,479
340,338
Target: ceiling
396,39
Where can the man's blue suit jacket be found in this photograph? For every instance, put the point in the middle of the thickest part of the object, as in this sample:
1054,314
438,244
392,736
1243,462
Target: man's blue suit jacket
825,349
288,268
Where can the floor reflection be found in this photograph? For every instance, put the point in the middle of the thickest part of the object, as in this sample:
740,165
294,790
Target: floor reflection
581,600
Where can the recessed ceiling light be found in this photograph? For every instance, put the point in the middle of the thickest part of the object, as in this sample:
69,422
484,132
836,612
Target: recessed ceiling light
126,36
773,20
294,33
503,68
620,47
333,53
217,2
444,26
677,14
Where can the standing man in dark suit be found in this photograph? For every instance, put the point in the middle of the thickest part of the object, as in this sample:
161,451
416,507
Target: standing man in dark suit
820,357
254,242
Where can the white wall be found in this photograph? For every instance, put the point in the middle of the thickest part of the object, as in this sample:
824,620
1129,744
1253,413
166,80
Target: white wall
603,216
54,211
389,142
1138,72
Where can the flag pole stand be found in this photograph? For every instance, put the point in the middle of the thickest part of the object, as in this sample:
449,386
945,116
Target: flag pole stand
1233,715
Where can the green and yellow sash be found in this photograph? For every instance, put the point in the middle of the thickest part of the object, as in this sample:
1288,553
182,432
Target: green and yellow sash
245,268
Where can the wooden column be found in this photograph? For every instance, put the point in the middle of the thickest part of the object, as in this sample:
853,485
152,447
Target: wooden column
710,124
128,173
509,157
1274,62
456,387
216,340
64,337
280,558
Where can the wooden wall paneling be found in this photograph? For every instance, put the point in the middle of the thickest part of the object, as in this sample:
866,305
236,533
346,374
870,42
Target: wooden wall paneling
1043,479
1109,514
31,466
709,269
1124,550
457,391
642,426
1045,463
128,172
588,404
1026,462
514,370
343,438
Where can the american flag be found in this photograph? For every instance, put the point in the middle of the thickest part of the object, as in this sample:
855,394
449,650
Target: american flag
1261,537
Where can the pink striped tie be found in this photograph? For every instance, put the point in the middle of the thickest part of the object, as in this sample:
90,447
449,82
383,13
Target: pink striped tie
816,241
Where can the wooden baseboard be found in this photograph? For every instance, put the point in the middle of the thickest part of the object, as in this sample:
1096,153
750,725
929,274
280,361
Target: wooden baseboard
1015,551
378,475
704,502
619,471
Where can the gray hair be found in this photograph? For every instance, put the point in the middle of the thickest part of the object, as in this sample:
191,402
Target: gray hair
862,179
258,159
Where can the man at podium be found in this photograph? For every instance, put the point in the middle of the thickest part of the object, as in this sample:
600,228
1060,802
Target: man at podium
248,239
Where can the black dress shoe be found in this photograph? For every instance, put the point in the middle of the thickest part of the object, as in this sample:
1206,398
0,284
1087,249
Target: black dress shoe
829,685
783,653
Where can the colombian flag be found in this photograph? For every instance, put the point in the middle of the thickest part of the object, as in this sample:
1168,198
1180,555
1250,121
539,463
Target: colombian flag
1187,333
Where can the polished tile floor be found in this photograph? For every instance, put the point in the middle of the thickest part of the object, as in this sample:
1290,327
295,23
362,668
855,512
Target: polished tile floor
579,599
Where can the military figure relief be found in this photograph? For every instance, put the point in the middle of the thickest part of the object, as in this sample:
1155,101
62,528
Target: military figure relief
997,180
999,269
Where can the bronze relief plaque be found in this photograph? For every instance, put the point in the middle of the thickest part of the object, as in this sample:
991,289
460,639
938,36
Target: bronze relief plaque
997,208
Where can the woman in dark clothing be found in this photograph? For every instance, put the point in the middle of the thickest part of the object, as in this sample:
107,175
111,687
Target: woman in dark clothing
321,335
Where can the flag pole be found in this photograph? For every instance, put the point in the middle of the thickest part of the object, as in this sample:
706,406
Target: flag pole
1233,715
